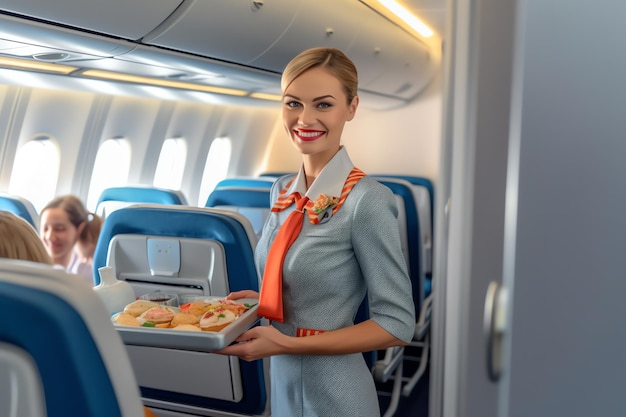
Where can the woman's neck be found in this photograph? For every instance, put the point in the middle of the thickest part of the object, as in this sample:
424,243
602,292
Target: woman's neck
314,164
64,260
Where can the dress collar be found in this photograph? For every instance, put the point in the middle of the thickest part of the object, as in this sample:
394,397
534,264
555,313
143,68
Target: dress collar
329,182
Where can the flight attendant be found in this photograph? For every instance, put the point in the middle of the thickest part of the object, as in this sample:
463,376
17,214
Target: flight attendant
332,238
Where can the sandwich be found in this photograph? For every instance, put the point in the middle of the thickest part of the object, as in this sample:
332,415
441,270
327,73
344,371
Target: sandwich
216,319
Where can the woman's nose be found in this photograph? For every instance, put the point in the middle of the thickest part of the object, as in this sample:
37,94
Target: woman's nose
307,117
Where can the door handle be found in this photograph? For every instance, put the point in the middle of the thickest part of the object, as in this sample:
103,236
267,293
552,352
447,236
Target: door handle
494,325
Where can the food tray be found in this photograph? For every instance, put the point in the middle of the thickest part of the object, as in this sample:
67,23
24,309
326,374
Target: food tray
202,341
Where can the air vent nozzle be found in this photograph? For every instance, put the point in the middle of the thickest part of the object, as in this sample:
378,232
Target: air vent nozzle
52,56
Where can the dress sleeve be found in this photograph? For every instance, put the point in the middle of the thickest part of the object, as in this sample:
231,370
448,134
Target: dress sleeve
377,246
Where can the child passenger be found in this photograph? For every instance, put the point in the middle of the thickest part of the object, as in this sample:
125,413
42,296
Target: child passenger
70,233
346,245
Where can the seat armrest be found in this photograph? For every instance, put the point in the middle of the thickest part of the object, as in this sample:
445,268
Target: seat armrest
384,368
423,323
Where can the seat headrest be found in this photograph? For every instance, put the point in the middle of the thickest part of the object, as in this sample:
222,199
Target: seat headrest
62,324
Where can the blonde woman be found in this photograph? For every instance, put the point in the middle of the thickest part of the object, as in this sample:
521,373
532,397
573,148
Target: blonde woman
18,240
315,275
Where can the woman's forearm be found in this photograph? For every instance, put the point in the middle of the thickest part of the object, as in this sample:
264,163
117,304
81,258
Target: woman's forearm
363,337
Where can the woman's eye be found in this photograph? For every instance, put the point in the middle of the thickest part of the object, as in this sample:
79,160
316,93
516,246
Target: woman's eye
292,104
324,105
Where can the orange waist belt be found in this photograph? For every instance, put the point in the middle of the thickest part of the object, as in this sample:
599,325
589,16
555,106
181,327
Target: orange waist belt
300,332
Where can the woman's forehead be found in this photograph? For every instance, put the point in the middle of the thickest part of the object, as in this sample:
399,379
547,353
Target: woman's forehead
315,82
55,215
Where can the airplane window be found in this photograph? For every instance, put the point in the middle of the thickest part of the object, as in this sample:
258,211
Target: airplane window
215,169
110,169
171,165
36,171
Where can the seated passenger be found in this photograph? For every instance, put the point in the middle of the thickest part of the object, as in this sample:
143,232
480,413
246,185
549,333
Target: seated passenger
18,240
70,233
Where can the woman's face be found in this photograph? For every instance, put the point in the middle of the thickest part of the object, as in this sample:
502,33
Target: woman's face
315,110
59,234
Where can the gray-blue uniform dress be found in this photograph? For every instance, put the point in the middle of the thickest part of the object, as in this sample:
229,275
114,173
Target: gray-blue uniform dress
326,274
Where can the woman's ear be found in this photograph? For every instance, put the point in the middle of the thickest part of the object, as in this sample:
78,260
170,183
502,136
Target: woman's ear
352,108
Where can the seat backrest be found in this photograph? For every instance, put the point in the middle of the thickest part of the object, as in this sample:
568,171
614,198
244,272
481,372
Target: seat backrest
245,182
423,194
184,249
115,198
59,353
251,202
274,174
20,207
411,231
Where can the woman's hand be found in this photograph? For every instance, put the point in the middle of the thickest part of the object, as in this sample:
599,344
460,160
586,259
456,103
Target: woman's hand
235,295
258,342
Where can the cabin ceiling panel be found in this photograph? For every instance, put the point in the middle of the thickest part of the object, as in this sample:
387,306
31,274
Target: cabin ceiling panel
234,30
223,43
130,19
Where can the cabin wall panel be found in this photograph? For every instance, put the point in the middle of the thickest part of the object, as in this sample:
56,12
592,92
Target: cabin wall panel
250,138
90,144
198,152
64,118
132,118
12,109
155,143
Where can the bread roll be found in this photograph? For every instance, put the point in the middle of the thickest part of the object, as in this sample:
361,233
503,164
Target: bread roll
188,327
197,308
158,315
216,320
125,319
184,318
138,307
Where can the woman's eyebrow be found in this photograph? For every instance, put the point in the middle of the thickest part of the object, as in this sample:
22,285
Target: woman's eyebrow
315,99
323,97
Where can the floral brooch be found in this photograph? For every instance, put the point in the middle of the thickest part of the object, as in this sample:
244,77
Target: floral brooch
323,208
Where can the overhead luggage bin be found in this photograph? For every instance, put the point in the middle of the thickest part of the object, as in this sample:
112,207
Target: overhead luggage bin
234,31
119,18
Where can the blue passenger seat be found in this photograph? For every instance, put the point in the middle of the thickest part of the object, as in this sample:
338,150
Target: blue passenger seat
59,353
186,250
423,194
414,203
117,197
251,202
20,207
246,182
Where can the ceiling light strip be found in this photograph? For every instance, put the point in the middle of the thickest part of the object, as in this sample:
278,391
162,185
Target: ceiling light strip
136,79
407,17
16,63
